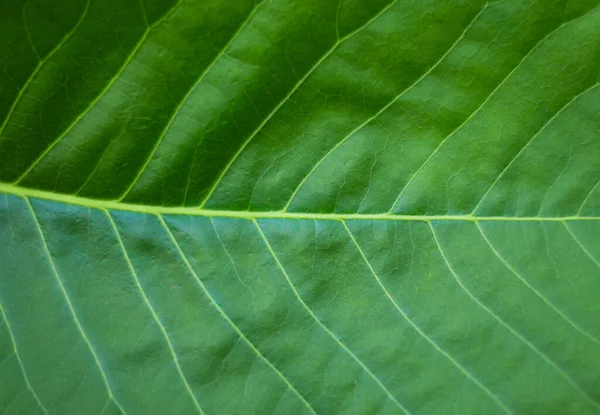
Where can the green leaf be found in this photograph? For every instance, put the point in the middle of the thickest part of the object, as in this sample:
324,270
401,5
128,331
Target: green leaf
299,207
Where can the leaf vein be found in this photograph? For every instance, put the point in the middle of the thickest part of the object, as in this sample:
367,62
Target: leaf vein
93,103
585,200
380,111
531,346
226,316
583,248
516,156
28,31
327,330
18,356
287,96
491,94
532,288
40,64
452,360
153,312
247,214
185,99
70,304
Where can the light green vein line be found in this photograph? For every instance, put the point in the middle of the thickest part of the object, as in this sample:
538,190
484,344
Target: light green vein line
104,153
583,248
532,288
154,315
110,83
40,64
6,359
508,327
70,305
440,145
194,211
185,99
565,11
380,111
556,179
587,197
18,356
226,317
28,32
105,406
337,19
489,393
144,14
231,261
516,156
287,97
316,319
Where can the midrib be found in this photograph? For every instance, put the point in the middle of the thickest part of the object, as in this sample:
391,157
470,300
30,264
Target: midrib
242,214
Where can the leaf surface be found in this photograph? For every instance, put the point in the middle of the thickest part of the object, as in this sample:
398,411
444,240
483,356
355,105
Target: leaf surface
315,207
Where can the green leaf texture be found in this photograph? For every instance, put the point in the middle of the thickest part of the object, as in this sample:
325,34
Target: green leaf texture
299,207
